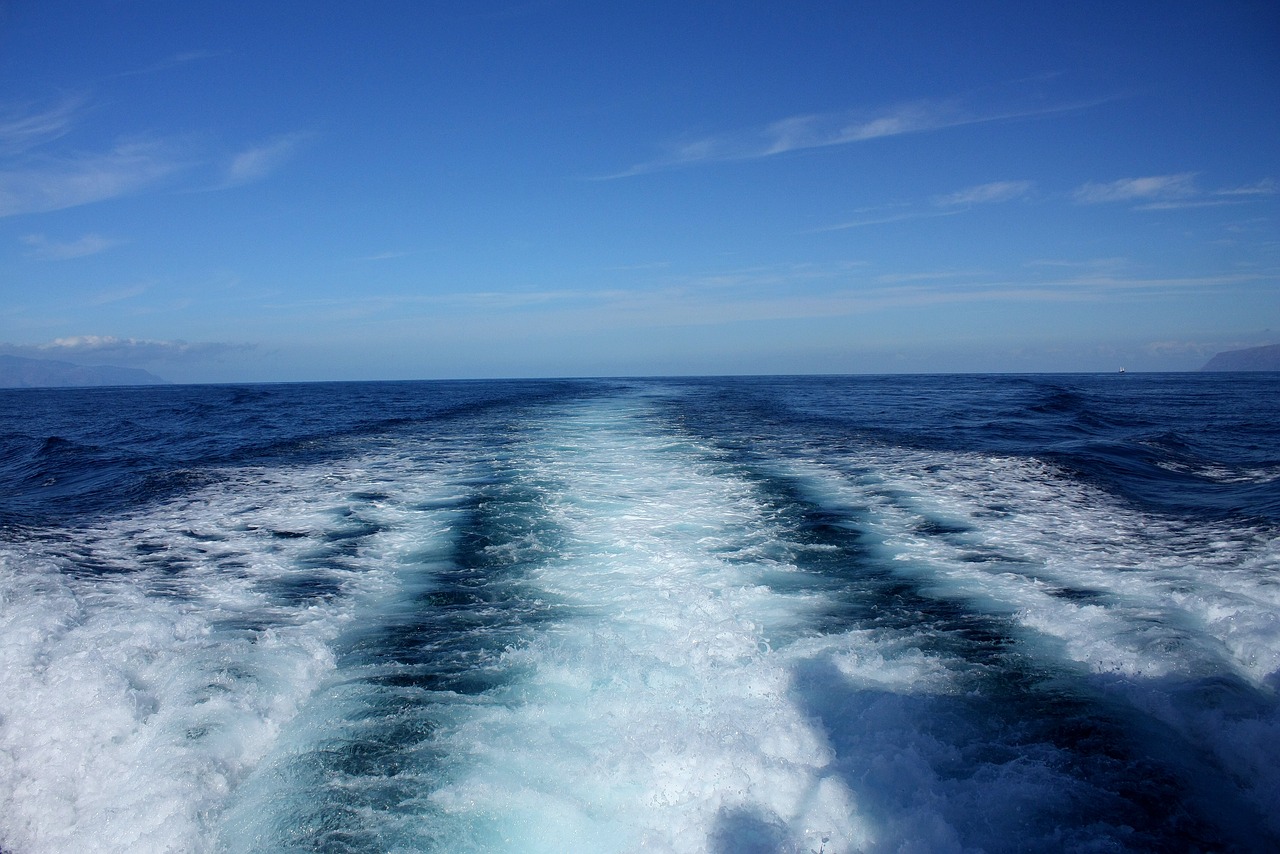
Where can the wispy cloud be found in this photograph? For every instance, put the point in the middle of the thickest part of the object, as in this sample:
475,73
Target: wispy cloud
885,216
1265,187
823,130
258,162
21,130
1170,192
1151,188
104,349
52,183
948,204
59,250
118,295
1153,192
38,174
984,194
173,61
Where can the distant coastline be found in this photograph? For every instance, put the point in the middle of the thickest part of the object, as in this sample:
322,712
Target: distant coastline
20,372
1250,359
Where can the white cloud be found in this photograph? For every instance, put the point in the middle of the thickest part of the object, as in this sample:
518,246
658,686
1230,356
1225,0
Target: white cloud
1170,192
997,191
56,250
37,177
22,130
1150,188
257,163
53,183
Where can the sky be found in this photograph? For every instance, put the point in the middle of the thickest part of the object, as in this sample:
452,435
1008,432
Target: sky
292,191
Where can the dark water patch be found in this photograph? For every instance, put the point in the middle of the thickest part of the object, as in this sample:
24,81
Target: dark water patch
357,529
748,831
410,668
1010,767
866,592
167,563
150,548
941,528
301,588
90,565
984,556
1170,443
205,536
1078,594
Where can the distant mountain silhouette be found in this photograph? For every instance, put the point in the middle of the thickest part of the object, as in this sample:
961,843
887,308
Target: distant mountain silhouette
19,372
1253,359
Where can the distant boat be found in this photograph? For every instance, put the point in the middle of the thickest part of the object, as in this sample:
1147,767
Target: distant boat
1122,370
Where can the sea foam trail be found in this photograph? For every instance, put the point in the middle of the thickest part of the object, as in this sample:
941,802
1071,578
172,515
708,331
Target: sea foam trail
152,661
584,627
638,704
656,717
1179,622
681,699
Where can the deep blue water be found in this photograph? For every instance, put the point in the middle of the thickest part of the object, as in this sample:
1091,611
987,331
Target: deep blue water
923,613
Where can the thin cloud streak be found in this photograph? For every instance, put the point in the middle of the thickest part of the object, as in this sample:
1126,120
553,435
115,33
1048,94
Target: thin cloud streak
108,297
56,250
944,205
1170,192
891,218
1192,203
1265,187
824,130
174,61
984,194
1153,187
387,256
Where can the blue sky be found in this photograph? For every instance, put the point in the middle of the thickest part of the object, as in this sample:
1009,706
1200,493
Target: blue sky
227,191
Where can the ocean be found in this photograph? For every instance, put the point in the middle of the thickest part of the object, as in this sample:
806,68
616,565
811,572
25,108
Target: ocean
727,615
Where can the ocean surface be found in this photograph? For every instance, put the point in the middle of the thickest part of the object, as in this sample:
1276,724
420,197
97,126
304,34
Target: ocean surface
732,615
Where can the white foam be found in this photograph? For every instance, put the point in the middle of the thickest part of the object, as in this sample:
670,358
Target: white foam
668,716
662,710
137,699
1163,605
679,700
